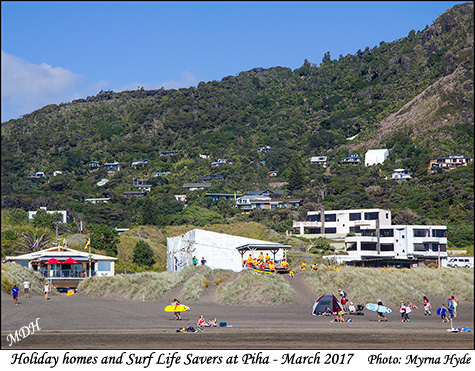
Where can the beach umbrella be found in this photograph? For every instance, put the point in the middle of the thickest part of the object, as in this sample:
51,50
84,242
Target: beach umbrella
53,261
70,261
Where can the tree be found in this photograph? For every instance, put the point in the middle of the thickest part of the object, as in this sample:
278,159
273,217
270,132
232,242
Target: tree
148,216
143,254
104,238
295,174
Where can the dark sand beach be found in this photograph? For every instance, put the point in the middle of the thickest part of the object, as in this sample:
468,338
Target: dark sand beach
82,322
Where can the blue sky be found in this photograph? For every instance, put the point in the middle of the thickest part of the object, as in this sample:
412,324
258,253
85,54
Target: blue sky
55,52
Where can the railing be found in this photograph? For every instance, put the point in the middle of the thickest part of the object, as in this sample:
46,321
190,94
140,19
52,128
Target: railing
66,273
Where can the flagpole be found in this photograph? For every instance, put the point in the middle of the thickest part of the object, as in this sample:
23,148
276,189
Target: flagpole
89,260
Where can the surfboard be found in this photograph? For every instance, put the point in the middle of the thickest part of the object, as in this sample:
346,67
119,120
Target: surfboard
378,308
176,308
441,311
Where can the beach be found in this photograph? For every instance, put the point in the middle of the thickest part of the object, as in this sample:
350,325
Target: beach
82,322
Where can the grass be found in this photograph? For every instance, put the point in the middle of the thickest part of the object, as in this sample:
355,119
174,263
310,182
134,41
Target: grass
15,274
365,285
250,288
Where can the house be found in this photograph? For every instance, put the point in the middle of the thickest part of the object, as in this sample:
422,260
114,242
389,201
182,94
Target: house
338,223
264,202
209,178
400,175
181,198
93,165
221,161
112,166
206,157
263,149
222,196
449,163
102,182
72,266
144,187
65,217
272,174
161,173
321,160
36,176
134,193
57,172
168,153
120,230
97,200
396,245
138,162
221,251
196,186
353,158
266,193
139,181
375,156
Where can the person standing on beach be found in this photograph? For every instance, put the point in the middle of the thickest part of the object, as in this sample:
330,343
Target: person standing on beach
455,303
176,303
26,288
380,314
344,299
195,261
203,261
15,291
450,308
46,290
426,306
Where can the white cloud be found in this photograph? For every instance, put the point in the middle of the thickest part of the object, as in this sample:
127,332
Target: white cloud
27,87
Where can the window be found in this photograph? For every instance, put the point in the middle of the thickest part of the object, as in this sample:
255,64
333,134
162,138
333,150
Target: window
371,216
421,233
355,216
330,230
386,232
330,217
419,247
368,232
103,266
314,218
355,229
436,246
387,247
351,246
368,246
312,230
439,233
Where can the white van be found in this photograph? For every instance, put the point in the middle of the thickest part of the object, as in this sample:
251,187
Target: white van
465,261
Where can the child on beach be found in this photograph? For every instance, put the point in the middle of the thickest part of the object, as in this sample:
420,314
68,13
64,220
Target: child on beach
443,314
402,310
380,314
177,314
427,307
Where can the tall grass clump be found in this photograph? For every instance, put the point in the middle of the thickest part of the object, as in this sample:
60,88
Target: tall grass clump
251,288
193,287
145,285
15,274
391,285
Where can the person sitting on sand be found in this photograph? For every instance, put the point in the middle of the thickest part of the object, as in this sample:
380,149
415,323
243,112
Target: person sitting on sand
212,322
327,312
315,267
202,322
304,265
284,263
351,308
427,307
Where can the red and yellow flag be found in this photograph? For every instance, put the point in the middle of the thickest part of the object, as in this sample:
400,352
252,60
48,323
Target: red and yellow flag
88,243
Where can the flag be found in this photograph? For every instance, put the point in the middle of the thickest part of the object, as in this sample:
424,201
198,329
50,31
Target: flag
234,196
87,245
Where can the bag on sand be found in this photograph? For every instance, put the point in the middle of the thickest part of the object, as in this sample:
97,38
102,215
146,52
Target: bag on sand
223,324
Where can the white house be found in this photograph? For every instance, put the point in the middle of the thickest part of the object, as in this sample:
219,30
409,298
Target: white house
375,156
321,160
71,268
397,244
64,214
221,251
401,175
338,223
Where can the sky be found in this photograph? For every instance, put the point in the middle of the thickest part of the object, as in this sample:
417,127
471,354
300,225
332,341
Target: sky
55,52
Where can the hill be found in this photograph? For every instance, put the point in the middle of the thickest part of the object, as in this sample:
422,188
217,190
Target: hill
413,96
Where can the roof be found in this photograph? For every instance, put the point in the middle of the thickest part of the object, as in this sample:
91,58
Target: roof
258,246
59,252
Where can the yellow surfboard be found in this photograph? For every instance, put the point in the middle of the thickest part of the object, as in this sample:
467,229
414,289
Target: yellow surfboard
176,308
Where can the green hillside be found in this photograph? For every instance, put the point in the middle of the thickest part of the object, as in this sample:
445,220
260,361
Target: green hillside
413,96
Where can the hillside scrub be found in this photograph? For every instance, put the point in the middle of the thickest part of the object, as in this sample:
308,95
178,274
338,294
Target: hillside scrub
364,285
